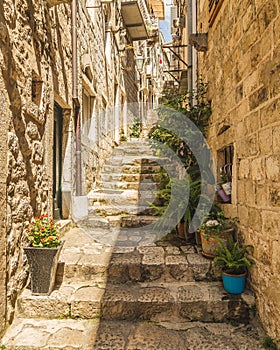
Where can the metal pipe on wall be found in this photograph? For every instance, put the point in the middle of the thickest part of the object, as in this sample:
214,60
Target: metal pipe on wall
76,103
194,51
190,52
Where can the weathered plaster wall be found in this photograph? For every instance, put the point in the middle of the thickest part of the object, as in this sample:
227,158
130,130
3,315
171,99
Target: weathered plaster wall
243,71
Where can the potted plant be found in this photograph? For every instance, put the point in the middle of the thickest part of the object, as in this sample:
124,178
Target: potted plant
233,262
215,226
42,253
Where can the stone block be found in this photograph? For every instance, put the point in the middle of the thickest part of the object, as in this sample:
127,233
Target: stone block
85,302
251,83
261,195
258,97
258,169
270,224
54,306
244,169
249,37
265,141
267,13
272,167
274,195
269,114
252,122
276,139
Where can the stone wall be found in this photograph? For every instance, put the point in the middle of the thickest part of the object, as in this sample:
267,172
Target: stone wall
35,62
243,71
3,213
112,86
36,74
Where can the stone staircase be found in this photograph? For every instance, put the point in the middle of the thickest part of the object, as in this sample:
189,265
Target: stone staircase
129,181
119,287
167,297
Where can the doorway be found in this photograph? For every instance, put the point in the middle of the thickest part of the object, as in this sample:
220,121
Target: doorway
57,162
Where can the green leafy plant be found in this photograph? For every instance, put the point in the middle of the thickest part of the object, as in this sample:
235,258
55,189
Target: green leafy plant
199,114
43,232
136,128
212,226
122,136
231,258
269,344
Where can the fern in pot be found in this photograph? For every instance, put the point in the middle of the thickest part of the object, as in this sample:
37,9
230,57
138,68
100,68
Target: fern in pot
234,262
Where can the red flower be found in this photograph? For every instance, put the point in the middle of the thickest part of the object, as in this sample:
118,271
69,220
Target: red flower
46,215
42,228
50,238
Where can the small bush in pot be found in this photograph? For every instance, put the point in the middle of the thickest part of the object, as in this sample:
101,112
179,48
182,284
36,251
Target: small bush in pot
42,253
43,232
215,226
234,262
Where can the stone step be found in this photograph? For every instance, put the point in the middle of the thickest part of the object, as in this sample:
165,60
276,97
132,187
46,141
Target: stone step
109,210
122,335
191,301
128,150
129,177
123,185
148,161
34,334
130,169
164,264
121,197
82,258
112,196
69,300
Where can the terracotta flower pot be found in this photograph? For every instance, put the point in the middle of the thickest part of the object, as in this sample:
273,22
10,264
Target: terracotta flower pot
209,242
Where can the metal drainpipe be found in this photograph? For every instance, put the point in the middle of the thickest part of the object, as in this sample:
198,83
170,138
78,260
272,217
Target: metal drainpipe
194,52
76,103
190,70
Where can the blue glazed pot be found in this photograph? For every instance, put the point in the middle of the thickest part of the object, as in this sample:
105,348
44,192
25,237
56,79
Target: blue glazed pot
234,284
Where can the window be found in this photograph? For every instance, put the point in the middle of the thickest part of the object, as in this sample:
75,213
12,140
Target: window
224,178
214,7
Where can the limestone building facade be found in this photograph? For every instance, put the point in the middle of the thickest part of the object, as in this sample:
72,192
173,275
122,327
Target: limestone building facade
241,65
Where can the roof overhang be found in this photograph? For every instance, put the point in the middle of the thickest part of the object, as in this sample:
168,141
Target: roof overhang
133,20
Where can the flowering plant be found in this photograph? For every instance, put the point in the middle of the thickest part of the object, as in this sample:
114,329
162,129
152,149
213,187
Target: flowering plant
43,232
217,223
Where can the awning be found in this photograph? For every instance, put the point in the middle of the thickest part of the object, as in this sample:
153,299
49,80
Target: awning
133,20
